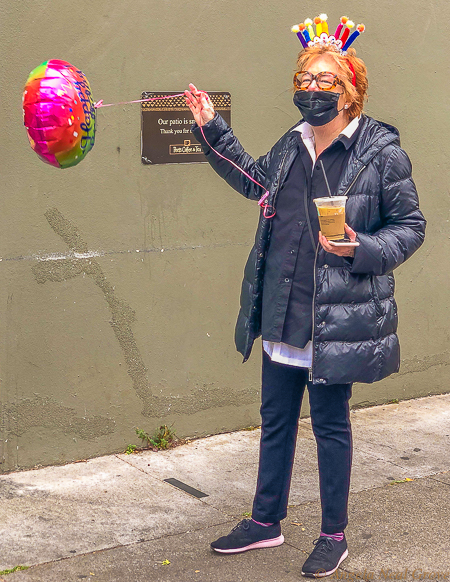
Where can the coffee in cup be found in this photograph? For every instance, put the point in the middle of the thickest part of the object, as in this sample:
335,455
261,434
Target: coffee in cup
331,213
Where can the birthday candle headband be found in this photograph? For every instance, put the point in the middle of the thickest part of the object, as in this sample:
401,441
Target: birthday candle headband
305,33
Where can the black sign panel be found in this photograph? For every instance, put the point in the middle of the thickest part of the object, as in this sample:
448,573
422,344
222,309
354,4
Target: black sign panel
166,136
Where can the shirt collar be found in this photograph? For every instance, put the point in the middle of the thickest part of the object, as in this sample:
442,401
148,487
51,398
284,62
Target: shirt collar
347,135
351,127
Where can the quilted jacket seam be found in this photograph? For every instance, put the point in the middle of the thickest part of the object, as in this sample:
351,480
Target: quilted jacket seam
373,340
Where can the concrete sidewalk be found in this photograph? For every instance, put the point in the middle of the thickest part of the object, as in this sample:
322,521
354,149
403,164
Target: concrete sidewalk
115,518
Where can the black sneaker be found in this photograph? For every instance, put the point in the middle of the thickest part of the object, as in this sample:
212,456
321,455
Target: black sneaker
248,535
325,558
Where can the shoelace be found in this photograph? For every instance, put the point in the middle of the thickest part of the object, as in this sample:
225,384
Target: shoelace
245,524
323,545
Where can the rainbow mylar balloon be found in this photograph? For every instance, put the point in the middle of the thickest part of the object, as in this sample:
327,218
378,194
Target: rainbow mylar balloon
59,113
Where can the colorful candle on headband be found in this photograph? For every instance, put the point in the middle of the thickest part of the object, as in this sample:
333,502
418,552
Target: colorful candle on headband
324,18
359,30
344,37
303,30
318,23
309,26
344,20
301,38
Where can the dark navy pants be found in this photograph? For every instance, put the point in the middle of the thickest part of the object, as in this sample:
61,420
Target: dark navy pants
282,393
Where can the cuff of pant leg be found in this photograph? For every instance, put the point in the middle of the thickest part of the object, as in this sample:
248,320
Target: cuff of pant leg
332,529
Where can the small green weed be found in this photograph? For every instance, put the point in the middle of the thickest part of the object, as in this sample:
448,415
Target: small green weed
130,449
246,514
15,569
405,480
163,438
393,401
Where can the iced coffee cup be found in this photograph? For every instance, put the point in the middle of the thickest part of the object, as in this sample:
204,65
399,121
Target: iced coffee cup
331,213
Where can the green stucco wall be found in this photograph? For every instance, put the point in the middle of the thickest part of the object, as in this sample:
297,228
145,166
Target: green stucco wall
119,281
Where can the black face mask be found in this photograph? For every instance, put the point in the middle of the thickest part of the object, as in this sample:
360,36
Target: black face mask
317,107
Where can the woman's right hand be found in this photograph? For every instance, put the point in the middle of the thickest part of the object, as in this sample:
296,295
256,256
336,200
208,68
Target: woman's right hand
200,105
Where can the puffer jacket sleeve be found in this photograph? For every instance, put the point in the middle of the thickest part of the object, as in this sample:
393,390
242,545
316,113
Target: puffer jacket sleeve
222,138
403,229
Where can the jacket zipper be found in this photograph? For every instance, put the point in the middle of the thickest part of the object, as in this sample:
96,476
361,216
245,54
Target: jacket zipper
356,177
308,219
313,314
310,376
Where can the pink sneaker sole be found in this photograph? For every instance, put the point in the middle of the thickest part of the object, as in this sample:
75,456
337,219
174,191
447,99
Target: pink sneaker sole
262,544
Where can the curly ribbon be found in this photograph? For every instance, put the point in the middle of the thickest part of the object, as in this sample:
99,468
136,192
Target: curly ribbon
262,202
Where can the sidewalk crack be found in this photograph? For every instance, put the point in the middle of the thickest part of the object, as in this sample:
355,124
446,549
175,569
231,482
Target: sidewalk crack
438,480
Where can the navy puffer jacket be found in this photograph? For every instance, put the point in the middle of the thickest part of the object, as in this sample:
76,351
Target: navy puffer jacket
354,310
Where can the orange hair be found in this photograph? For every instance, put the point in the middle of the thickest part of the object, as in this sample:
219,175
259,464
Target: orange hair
354,94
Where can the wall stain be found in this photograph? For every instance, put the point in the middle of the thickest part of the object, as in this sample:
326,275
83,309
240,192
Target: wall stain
47,413
415,364
101,253
122,318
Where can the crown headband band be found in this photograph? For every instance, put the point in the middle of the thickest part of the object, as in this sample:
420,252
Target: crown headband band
352,69
306,36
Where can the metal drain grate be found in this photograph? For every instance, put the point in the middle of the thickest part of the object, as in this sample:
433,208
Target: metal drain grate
186,488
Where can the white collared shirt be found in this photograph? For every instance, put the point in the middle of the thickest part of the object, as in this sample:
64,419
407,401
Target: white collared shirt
279,351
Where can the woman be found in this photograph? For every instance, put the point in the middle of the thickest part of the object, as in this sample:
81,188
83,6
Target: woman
326,312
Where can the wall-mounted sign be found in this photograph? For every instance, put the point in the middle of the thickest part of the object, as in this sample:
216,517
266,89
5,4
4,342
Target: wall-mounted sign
166,136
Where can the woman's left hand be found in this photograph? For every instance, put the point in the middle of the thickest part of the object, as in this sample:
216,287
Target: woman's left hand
339,250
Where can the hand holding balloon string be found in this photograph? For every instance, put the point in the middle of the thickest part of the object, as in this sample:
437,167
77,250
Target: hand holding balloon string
200,105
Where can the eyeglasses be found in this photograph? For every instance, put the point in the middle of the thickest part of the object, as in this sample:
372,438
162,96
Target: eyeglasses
325,80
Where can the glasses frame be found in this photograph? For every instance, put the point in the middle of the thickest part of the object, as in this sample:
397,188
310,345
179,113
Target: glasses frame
336,81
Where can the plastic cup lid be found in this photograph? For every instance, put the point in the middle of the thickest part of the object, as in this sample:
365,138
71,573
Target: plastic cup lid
331,199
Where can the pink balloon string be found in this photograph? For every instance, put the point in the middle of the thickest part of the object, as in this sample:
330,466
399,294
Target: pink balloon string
266,193
101,104
262,201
